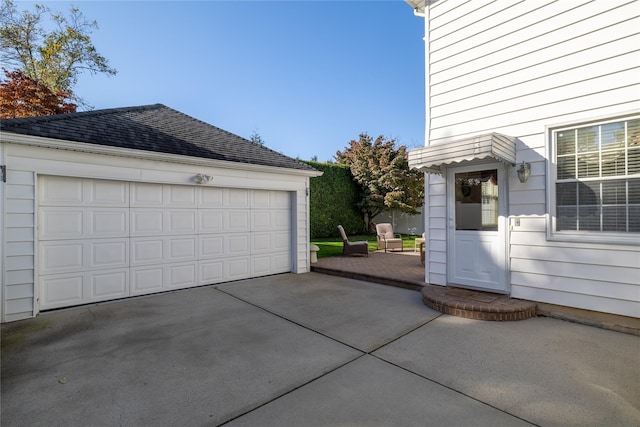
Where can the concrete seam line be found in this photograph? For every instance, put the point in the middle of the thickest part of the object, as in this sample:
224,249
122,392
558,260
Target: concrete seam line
405,334
452,389
294,389
291,321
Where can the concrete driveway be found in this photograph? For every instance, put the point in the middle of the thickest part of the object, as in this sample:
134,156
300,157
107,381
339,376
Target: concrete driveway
310,350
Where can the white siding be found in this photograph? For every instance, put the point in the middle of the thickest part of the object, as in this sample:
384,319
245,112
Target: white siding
517,68
19,240
436,235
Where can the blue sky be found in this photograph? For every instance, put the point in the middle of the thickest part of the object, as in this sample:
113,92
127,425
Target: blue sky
307,76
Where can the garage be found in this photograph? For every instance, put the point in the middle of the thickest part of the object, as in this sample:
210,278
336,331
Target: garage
110,204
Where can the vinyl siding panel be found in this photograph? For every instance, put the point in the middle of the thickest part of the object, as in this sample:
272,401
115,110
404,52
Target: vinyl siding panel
518,68
592,273
549,68
19,291
302,230
436,234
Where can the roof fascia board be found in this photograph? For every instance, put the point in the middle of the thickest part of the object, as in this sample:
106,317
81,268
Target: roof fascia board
58,144
418,7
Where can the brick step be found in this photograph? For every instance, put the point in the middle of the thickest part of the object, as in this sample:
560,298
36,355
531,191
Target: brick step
476,305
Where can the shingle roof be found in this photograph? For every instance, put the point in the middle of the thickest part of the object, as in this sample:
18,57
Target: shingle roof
155,128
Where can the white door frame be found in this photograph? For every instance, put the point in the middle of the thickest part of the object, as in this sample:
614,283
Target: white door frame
502,283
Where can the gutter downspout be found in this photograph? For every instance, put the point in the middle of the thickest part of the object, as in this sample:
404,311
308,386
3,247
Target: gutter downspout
427,132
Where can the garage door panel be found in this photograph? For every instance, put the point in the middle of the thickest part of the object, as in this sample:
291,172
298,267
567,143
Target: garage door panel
109,254
261,220
147,250
180,196
146,195
210,197
261,242
260,265
237,268
60,191
280,200
181,248
237,220
270,264
59,257
109,285
107,193
281,241
261,199
281,219
236,197
146,222
146,280
270,242
270,220
107,223
180,221
211,246
61,223
82,255
237,244
210,221
62,290
282,262
180,275
211,272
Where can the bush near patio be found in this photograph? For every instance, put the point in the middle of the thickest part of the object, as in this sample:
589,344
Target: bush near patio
332,201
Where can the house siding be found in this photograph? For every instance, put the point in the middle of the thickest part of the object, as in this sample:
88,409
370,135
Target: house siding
19,252
518,68
437,233
19,205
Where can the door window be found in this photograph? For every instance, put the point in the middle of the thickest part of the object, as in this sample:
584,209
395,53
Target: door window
477,200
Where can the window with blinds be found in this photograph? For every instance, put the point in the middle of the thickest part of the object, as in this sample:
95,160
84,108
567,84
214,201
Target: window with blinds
598,177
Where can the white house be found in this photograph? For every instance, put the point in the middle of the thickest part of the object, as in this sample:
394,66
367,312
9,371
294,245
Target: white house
113,203
551,88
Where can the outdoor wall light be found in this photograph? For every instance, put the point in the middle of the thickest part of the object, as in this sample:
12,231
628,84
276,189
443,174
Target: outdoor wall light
203,179
524,172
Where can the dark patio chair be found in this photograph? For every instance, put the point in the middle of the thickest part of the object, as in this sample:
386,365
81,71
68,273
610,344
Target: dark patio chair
353,247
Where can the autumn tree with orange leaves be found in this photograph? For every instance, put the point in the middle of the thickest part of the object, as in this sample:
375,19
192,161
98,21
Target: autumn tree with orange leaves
383,172
22,96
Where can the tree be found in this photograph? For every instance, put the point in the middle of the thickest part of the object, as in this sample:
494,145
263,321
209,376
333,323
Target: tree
256,138
382,170
54,57
22,96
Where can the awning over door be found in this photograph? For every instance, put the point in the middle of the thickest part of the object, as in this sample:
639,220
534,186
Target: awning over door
492,145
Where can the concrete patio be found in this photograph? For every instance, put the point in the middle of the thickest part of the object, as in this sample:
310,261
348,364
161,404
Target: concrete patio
403,269
313,350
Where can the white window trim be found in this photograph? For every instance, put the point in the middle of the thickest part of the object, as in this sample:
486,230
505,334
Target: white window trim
602,237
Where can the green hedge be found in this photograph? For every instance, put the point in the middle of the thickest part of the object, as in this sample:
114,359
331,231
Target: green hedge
332,201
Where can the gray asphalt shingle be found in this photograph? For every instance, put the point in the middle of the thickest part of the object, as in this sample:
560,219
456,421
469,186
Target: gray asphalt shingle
155,128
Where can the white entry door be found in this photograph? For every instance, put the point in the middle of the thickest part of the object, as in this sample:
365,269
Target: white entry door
476,237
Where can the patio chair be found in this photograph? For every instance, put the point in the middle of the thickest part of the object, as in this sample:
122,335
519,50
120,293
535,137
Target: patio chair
386,238
353,247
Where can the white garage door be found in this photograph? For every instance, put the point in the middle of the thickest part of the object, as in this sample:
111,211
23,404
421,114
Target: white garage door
100,240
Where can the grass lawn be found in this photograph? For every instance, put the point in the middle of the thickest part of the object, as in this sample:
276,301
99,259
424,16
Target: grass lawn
332,246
